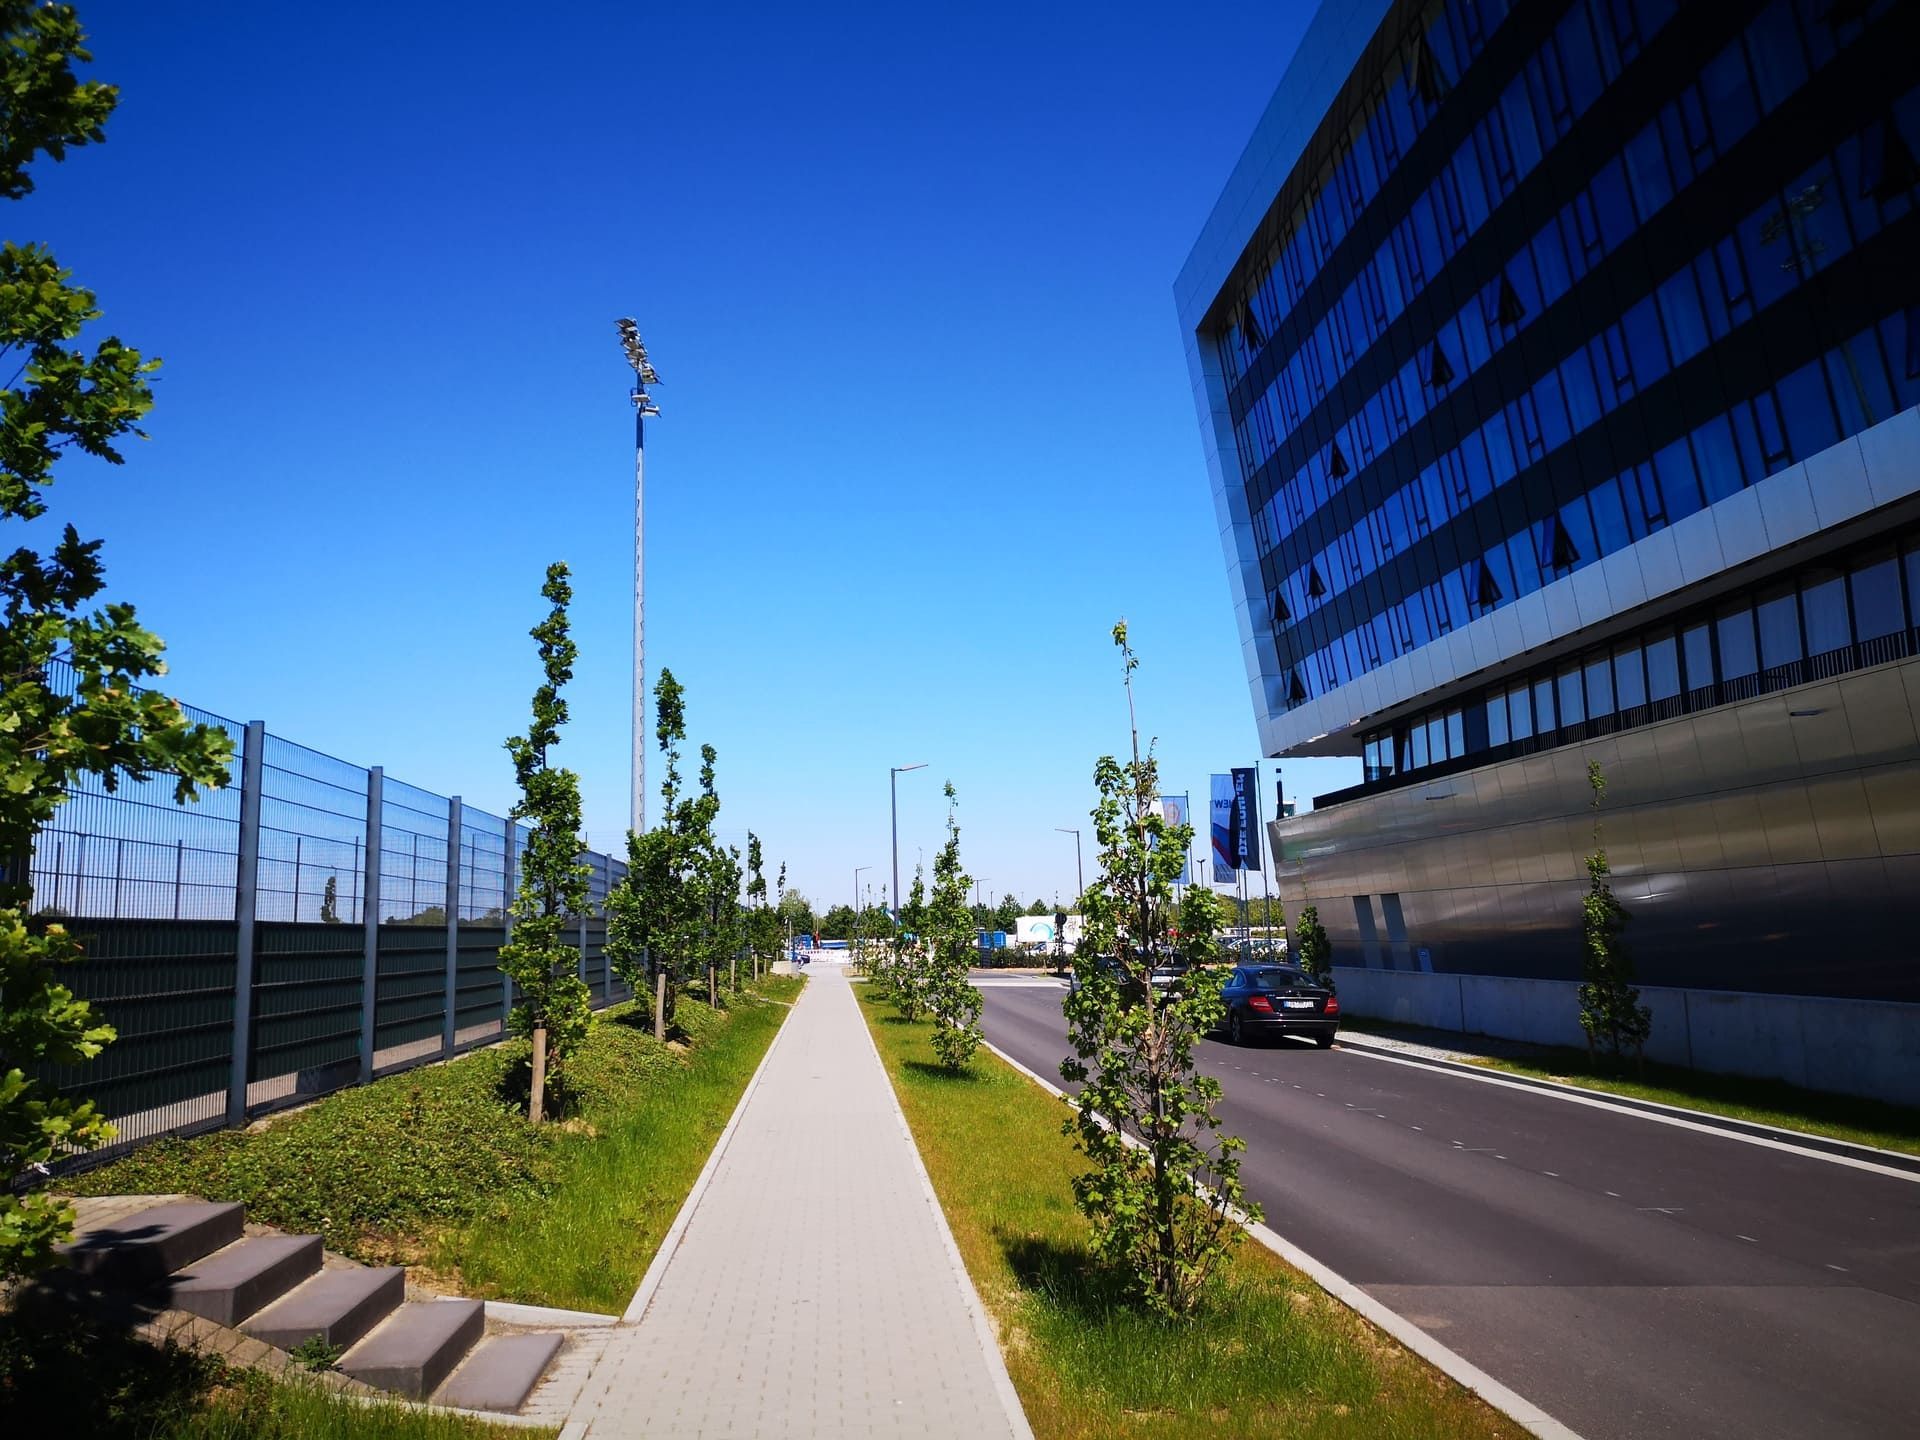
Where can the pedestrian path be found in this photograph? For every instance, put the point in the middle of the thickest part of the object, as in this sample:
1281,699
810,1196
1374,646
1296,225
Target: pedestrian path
815,1290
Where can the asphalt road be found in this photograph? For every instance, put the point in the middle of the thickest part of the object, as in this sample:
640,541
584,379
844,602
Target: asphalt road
1632,1278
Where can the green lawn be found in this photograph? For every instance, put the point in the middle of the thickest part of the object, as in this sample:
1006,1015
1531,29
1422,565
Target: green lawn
438,1168
1271,1354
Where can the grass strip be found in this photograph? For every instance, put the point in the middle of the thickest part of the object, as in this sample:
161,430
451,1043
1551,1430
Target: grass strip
62,1374
438,1168
1270,1354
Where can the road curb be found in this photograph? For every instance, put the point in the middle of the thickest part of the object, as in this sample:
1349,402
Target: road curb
1455,1366
1817,1147
670,1242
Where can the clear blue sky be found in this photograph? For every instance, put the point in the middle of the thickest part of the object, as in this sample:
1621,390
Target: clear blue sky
927,434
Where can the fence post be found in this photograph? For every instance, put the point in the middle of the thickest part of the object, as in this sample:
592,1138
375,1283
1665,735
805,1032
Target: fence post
585,905
245,896
370,918
454,818
506,920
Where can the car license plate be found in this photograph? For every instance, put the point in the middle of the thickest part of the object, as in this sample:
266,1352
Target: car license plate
1297,1004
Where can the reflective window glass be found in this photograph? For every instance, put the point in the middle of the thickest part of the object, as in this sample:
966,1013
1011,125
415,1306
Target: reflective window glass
1497,720
1543,716
1876,598
1629,679
1733,629
1696,653
1572,708
1456,733
1519,713
1417,739
1808,411
1823,601
1778,614
1911,560
1599,686
1663,668
1437,739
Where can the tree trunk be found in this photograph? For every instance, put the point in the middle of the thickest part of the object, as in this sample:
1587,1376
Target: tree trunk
660,1005
537,1095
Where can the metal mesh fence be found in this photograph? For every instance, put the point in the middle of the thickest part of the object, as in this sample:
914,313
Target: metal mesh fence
152,889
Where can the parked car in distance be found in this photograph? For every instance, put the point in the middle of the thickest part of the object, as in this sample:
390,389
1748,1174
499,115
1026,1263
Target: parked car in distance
1104,964
1278,1000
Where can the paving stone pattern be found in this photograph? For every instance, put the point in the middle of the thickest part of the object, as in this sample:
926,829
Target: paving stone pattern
815,1290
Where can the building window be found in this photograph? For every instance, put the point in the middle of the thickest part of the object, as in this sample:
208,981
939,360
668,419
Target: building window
1876,598
1779,620
1823,598
1733,631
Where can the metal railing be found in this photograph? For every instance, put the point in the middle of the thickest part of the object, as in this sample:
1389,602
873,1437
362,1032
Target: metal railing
231,944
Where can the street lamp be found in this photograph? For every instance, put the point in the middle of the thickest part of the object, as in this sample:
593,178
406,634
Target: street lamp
643,406
894,772
1078,874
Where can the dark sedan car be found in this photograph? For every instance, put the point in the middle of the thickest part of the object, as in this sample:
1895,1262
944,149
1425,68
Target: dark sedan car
1278,1000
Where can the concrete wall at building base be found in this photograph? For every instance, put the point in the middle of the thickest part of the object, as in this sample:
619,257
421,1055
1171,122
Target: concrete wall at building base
1869,1048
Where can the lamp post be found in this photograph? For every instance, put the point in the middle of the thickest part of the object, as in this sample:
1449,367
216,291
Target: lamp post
858,871
894,772
1078,874
643,406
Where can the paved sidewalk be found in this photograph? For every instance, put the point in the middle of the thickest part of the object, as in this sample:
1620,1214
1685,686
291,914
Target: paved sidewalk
815,1290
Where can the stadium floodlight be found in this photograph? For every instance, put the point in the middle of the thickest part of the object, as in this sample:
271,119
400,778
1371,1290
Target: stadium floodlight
643,407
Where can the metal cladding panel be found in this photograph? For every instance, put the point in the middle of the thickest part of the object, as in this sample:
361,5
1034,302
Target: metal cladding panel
1804,882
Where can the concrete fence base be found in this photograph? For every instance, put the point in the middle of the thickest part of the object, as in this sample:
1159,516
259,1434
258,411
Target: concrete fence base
1869,1048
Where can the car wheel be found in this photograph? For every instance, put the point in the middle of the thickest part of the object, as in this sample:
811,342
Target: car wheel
1325,1042
1234,1035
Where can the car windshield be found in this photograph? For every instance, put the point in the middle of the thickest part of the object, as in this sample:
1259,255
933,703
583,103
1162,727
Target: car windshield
1276,978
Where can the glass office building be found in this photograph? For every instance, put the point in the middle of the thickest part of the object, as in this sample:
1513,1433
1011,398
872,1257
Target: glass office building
1557,366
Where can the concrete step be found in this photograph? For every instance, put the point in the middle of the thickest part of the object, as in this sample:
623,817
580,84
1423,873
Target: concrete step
338,1305
230,1284
418,1346
145,1247
500,1373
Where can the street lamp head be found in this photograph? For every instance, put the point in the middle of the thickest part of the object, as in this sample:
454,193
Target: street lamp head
1065,831
903,769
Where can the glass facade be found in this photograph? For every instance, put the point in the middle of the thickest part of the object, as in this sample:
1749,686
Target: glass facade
1552,277
1843,613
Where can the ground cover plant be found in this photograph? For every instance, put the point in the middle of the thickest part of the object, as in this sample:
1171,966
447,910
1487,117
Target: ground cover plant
64,1375
439,1166
1268,1353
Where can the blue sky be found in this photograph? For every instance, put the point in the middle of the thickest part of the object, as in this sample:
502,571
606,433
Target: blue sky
907,274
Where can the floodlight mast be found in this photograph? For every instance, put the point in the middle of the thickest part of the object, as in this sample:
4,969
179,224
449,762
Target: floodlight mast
643,406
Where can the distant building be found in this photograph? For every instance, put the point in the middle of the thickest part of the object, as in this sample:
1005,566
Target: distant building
1557,367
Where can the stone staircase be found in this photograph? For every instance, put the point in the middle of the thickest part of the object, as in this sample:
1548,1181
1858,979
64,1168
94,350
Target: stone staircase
195,1257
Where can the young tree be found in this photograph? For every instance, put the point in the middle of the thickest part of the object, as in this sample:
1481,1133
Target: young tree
952,1001
554,1004
763,922
796,913
1153,1220
1312,951
71,702
330,902
903,973
658,915
1610,1008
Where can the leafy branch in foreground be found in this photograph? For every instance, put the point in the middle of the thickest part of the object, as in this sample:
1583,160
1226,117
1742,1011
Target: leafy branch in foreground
1161,1210
72,704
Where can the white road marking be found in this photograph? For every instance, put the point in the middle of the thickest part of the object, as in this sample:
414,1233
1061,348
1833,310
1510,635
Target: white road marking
1841,1268
1614,1193
1554,1173
1748,1238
